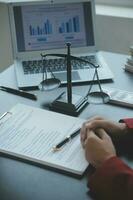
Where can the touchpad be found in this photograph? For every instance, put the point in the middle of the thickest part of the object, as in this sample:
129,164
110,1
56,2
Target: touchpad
62,76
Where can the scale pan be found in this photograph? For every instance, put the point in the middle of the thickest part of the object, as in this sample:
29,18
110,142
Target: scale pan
49,84
98,97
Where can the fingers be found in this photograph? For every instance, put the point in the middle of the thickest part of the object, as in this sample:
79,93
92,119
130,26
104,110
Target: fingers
98,149
93,123
102,134
91,137
91,134
83,134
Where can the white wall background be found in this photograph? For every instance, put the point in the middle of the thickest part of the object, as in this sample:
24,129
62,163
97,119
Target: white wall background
5,42
114,34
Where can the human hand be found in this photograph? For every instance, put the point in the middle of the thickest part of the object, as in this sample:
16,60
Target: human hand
98,148
112,128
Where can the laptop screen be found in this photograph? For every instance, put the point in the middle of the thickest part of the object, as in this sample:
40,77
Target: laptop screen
42,27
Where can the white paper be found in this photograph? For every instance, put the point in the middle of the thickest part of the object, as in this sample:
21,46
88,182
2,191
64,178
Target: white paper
32,132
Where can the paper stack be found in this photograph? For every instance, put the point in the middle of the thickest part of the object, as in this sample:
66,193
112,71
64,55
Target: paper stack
26,132
129,63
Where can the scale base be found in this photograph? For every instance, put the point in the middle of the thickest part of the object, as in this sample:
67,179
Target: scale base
60,104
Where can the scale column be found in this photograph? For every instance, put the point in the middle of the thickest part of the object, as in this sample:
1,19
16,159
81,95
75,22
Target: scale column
69,75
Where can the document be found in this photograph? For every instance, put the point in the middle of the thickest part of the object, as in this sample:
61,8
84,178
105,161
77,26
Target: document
31,133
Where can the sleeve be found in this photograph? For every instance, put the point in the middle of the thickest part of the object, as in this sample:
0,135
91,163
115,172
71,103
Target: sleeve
112,181
128,122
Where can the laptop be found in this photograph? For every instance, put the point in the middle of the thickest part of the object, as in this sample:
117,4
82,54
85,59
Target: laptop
44,27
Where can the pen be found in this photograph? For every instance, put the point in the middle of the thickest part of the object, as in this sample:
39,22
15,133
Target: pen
19,92
65,140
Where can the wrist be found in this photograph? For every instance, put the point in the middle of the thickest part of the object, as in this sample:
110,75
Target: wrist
109,157
125,129
100,163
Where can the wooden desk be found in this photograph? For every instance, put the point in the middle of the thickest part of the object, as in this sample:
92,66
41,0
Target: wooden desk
22,181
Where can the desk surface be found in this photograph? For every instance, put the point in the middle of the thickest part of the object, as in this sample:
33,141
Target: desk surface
22,181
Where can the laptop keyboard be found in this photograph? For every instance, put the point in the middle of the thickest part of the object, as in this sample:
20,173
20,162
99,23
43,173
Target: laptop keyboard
56,65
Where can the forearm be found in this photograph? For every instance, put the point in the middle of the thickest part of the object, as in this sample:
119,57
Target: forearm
112,181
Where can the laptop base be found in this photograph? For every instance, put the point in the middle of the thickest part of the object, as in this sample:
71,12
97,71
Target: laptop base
61,105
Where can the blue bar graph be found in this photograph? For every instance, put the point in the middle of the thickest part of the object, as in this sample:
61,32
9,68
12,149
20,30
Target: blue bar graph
45,29
72,25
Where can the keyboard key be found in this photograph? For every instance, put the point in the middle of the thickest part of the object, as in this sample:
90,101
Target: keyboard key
54,65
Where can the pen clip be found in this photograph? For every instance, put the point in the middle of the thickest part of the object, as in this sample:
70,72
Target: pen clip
3,117
4,114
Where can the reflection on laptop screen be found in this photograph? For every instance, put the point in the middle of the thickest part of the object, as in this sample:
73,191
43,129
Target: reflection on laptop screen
40,27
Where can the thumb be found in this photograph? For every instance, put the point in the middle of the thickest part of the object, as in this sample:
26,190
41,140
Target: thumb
102,134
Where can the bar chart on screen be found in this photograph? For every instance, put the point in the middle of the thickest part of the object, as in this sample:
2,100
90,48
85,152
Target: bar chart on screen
55,24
